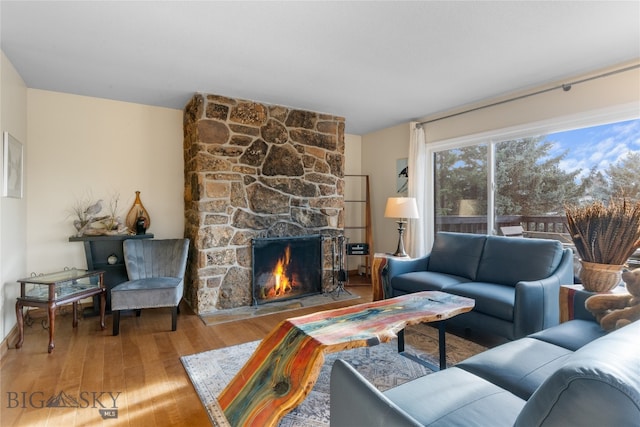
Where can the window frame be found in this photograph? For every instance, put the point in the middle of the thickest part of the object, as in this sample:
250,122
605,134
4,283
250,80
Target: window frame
618,113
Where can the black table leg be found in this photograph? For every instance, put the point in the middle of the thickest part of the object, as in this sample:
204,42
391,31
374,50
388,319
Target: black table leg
442,349
442,345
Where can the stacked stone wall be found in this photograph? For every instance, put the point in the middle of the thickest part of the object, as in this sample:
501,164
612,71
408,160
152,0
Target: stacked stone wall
255,170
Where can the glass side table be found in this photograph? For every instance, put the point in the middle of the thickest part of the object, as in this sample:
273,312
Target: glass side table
56,289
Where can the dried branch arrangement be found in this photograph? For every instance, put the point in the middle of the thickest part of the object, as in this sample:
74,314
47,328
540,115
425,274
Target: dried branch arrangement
605,234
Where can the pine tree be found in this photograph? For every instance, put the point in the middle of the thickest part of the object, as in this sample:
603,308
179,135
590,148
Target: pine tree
625,177
529,181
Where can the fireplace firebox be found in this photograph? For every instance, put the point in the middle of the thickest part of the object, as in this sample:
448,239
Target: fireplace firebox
286,267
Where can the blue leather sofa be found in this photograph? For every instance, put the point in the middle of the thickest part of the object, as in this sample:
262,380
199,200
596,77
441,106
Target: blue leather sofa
514,281
569,375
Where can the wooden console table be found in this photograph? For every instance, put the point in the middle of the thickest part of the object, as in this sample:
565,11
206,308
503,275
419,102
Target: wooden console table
53,290
285,366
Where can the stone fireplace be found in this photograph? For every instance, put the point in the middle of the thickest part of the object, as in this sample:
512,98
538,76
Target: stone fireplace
255,171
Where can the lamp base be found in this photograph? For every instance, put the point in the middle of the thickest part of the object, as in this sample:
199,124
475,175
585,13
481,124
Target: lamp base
400,252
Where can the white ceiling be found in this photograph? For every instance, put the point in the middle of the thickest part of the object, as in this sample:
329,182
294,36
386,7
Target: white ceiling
377,64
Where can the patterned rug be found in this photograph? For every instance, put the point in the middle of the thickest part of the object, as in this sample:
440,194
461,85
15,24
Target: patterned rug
211,371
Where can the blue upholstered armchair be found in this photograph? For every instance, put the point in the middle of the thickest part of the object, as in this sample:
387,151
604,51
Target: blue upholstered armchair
156,271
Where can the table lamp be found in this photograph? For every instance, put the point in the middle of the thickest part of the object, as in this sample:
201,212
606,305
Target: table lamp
401,208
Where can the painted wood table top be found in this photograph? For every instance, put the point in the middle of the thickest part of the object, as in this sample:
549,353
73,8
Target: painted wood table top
285,366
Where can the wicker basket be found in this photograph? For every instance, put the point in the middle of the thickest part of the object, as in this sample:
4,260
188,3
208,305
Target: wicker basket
600,277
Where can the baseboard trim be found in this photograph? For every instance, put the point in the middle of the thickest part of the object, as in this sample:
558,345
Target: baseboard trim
12,337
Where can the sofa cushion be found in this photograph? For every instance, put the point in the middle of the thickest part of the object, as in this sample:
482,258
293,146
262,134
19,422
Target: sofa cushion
518,366
598,385
494,300
456,397
457,254
418,281
572,334
509,260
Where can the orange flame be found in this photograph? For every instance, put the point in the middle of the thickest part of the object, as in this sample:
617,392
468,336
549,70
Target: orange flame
282,284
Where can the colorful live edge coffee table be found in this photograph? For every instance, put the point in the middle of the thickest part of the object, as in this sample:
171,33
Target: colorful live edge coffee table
286,364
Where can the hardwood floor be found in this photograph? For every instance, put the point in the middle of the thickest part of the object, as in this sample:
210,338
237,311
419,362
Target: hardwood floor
138,372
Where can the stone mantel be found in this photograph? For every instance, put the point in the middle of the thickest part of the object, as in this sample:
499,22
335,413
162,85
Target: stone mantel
255,170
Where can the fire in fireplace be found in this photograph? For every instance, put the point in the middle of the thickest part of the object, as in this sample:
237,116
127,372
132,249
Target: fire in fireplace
286,267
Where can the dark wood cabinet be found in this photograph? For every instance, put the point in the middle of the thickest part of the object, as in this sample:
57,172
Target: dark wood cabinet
97,250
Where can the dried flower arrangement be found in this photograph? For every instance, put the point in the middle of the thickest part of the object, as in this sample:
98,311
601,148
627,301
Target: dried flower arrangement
88,221
605,234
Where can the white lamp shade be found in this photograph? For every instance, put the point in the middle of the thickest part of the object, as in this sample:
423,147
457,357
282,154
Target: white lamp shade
401,207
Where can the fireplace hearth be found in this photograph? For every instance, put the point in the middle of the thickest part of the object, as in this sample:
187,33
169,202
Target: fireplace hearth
286,267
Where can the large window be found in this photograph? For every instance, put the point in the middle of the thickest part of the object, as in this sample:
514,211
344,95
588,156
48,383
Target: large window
486,183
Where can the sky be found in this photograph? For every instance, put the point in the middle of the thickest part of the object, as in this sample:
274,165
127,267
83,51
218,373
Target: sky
598,146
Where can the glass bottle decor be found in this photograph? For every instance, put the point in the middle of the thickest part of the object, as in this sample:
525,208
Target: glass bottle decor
136,212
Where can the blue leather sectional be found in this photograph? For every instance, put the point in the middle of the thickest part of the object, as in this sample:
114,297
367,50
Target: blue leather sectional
514,281
569,375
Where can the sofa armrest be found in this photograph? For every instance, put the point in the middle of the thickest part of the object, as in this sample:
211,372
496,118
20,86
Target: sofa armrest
537,306
397,266
355,402
599,385
537,302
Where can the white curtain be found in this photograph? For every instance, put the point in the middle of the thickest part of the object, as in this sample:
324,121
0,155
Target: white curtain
417,164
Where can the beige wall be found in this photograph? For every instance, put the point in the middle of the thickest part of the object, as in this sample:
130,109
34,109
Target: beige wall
352,154
13,224
89,147
381,149
582,99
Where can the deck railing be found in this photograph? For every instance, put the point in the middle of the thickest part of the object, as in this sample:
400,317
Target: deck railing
478,223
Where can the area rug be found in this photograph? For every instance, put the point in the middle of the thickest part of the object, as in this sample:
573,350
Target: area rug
211,371
241,313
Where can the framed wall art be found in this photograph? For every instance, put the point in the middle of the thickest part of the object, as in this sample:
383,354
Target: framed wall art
402,176
12,163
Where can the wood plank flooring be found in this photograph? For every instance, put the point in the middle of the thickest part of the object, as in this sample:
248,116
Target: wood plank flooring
139,369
